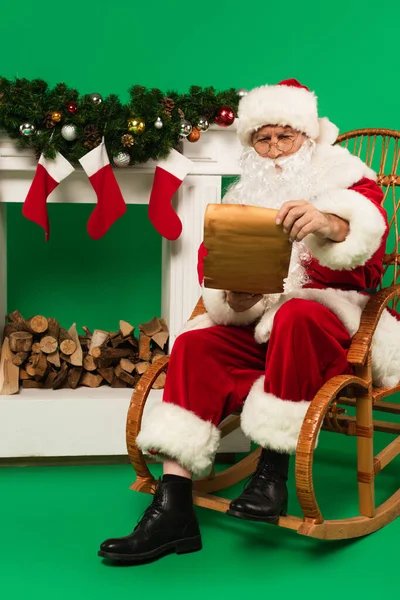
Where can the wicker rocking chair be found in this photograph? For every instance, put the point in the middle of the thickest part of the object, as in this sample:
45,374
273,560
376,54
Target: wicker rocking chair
379,148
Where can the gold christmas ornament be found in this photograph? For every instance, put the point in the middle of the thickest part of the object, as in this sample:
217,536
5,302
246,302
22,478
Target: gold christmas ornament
194,135
127,140
136,125
56,116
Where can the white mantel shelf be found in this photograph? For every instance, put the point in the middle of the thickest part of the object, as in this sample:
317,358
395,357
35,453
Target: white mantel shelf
85,422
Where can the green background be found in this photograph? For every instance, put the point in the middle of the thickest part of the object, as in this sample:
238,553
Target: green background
339,49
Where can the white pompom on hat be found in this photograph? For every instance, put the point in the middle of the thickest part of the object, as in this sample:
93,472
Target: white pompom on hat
289,103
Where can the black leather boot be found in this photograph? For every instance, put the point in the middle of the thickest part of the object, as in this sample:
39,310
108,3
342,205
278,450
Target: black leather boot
168,525
265,497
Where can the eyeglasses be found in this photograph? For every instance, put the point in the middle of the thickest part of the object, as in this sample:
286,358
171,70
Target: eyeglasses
285,144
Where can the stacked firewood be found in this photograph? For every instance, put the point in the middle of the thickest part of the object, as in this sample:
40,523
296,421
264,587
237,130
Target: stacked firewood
39,353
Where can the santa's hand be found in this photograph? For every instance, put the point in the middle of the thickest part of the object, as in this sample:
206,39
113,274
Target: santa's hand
240,301
300,218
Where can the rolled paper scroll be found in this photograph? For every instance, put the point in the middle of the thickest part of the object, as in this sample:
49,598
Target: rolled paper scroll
247,250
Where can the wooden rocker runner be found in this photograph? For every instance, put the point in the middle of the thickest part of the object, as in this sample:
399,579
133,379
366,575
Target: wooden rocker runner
379,148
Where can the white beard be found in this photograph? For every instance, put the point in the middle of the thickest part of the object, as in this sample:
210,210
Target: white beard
262,184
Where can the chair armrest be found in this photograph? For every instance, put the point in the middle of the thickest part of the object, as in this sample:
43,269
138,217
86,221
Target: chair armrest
362,340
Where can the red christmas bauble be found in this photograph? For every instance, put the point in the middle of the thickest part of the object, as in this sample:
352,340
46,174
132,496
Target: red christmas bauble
224,116
71,107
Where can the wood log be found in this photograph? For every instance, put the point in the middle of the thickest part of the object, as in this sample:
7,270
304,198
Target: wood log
20,341
32,384
50,379
54,359
159,382
113,334
48,344
127,365
88,363
37,324
9,373
41,367
118,383
17,320
117,340
87,331
113,353
121,374
9,329
99,338
74,375
91,380
23,374
157,354
30,369
63,335
133,342
65,358
61,376
36,348
19,358
68,347
77,355
141,367
144,346
151,327
125,328
104,363
162,337
108,374
54,328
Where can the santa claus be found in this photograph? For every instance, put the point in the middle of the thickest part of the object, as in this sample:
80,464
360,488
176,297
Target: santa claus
269,355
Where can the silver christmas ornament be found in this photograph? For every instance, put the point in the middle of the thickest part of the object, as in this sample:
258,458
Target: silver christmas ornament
186,128
27,129
122,159
203,124
158,124
96,98
241,92
69,132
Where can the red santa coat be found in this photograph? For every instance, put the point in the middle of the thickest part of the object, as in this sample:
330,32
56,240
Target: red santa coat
201,388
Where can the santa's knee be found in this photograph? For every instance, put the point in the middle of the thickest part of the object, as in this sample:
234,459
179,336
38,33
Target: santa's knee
297,314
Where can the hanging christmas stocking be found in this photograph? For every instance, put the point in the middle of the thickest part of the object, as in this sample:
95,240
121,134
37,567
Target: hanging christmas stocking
110,203
49,173
167,179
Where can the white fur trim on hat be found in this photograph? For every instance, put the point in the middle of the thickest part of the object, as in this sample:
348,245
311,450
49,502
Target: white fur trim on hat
222,314
270,421
277,105
328,132
367,227
172,431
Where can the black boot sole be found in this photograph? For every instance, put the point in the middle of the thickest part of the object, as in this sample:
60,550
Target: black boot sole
179,547
273,520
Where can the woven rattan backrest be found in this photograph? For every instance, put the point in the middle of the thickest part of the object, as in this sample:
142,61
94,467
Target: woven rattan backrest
379,148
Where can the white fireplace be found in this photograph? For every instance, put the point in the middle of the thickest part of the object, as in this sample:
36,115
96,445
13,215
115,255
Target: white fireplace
90,422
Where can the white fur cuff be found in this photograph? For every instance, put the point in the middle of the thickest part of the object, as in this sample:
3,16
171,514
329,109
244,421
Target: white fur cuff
367,227
179,434
222,314
270,421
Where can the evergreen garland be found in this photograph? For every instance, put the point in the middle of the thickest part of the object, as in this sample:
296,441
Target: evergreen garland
23,101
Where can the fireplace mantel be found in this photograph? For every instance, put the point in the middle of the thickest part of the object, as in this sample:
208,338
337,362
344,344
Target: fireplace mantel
30,421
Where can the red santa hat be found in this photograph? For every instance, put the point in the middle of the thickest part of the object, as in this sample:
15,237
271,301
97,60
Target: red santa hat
287,103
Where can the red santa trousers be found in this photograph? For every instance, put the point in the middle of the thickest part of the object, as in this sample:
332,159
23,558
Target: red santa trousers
217,370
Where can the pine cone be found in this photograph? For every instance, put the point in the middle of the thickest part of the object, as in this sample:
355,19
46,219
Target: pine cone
168,105
48,121
181,113
92,137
